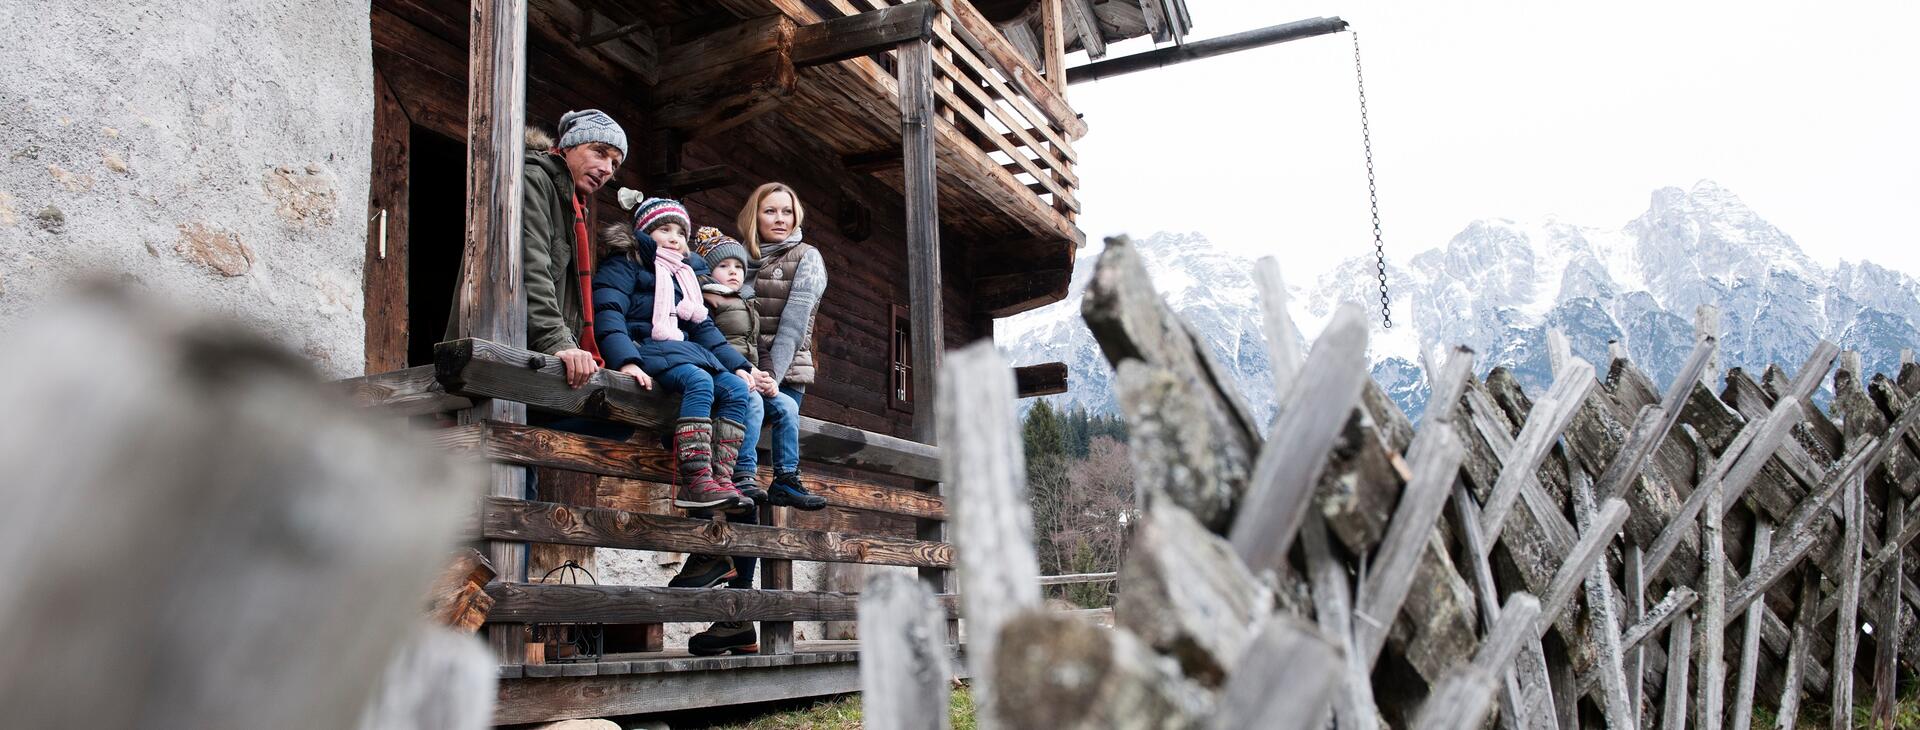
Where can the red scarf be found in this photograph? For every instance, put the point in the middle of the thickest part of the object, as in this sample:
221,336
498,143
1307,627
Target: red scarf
583,263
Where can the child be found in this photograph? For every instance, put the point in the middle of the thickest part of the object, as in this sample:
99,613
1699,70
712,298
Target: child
738,318
653,326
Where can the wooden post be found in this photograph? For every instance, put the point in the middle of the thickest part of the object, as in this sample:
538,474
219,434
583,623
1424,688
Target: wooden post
1333,609
1706,326
1713,606
493,302
1798,652
915,71
1886,635
1616,700
1679,650
1636,656
984,464
776,637
904,677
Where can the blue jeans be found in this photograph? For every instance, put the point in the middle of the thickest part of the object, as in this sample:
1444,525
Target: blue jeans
706,395
780,413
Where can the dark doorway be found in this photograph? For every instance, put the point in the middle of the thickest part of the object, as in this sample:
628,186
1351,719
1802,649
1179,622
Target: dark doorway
436,231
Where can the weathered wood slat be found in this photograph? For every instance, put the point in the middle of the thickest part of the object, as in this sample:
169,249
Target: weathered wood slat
1549,417
1846,632
502,518
1887,634
1673,715
1435,458
1513,705
1787,716
1290,463
1573,572
1713,610
1287,653
1743,695
1333,609
570,603
410,392
1460,701
904,678
1603,623
838,39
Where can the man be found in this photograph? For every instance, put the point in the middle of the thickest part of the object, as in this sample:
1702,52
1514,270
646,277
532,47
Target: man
559,179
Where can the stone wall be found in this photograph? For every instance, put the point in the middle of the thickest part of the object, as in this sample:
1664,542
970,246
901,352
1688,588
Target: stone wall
214,151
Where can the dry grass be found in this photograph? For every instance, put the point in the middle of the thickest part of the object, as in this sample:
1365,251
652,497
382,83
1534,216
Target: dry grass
844,714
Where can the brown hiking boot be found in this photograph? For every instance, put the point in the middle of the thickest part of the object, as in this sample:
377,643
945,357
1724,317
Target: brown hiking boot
693,448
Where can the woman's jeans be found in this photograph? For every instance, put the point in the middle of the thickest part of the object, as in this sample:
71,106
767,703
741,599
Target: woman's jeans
781,414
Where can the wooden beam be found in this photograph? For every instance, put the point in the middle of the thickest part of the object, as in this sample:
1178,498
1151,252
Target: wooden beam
924,285
482,369
687,182
414,391
1053,45
1048,378
513,519
1010,294
723,79
385,285
579,697
851,36
1086,26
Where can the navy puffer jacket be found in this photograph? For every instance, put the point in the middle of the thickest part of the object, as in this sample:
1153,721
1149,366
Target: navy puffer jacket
623,314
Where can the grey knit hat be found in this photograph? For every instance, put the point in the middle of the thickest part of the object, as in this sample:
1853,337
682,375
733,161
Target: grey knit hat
591,125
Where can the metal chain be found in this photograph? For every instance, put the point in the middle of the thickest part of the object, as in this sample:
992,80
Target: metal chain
1373,191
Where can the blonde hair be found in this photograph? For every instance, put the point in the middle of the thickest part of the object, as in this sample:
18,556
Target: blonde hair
749,220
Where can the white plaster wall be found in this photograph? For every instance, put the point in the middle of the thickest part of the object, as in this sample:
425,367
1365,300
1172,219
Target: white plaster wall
214,151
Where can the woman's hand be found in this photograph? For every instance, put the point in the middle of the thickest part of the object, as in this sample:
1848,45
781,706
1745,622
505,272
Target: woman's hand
763,382
745,376
638,374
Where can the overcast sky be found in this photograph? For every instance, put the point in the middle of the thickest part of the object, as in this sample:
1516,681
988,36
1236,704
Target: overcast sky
1810,112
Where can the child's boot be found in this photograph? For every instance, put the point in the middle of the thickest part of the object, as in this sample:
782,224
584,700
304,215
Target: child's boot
725,636
787,492
693,447
727,438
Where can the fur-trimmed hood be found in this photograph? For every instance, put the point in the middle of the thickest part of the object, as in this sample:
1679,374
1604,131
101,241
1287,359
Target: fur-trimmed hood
538,140
618,238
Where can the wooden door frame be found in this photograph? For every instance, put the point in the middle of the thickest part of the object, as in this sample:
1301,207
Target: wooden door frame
384,279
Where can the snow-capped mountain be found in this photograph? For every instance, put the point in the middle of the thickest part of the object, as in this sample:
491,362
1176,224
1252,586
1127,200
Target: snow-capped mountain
1499,285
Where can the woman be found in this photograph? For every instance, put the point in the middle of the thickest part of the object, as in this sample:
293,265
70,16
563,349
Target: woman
786,286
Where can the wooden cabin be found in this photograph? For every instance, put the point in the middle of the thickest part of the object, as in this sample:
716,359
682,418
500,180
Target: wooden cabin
932,145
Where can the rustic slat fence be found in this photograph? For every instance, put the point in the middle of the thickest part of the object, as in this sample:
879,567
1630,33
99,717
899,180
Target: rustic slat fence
1607,554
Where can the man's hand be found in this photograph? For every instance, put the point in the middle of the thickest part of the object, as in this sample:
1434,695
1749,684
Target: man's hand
579,364
638,374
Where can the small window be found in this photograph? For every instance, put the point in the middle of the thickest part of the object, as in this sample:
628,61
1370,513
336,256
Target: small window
900,375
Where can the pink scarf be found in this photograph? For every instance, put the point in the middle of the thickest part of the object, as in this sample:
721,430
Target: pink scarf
670,266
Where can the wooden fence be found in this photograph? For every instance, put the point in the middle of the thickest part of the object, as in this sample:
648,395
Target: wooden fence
1606,552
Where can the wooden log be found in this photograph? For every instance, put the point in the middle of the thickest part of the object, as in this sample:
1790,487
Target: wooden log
904,678
1846,631
221,498
571,603
1333,610
914,75
1673,715
1056,671
1132,323
512,519
1788,714
851,36
413,391
1044,379
987,473
1743,696
1289,465
1706,325
1184,593
1286,653
459,598
482,369
1886,660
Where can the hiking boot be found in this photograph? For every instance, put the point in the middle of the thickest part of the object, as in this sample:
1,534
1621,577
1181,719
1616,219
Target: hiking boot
704,571
727,437
693,449
725,636
787,492
749,487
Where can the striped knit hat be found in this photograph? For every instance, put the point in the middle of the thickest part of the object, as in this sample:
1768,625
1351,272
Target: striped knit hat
716,247
655,212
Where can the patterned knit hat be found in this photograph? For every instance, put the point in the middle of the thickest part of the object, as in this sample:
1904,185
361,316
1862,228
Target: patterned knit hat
655,212
716,247
591,125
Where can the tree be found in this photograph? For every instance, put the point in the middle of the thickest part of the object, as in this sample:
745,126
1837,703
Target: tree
1043,433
